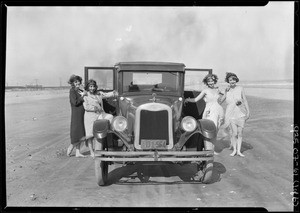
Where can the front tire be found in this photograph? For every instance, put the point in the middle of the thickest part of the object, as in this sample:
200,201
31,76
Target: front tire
101,171
143,175
207,172
207,168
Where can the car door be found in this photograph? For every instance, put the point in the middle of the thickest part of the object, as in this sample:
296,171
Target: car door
193,79
106,82
193,85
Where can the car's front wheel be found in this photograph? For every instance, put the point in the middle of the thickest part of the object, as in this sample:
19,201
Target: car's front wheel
101,171
207,172
143,175
206,167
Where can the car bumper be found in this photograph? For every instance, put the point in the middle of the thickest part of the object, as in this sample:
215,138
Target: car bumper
162,156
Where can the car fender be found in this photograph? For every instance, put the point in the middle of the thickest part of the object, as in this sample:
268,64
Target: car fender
207,128
100,128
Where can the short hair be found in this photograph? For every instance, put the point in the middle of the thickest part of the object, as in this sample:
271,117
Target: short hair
91,82
211,76
74,78
230,74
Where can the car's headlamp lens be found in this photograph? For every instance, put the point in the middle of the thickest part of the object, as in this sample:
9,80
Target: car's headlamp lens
119,123
188,124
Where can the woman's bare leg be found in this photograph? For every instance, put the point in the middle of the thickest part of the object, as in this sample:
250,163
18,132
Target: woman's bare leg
239,141
234,139
215,120
234,143
69,150
231,139
78,154
90,145
213,146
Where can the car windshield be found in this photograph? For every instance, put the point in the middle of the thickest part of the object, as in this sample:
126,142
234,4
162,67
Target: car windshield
141,81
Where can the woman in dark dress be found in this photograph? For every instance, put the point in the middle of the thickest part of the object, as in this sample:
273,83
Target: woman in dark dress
77,131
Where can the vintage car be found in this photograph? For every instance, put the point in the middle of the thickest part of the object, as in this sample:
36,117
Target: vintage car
152,124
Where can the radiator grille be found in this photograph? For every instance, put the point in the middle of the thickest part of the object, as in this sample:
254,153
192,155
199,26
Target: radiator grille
154,125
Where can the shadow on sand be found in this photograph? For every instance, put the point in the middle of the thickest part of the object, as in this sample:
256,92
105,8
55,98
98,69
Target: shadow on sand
141,174
224,143
131,174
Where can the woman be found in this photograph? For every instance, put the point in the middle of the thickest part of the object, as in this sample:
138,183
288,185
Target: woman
213,110
93,110
237,112
77,132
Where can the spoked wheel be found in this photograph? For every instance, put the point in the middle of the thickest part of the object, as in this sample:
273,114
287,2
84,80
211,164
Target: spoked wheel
101,171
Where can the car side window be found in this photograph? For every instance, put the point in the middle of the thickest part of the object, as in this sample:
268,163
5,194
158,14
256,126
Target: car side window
103,77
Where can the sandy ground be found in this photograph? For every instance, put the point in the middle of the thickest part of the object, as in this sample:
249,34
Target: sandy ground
39,174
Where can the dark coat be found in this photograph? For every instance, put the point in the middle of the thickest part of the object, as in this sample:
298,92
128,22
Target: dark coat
77,132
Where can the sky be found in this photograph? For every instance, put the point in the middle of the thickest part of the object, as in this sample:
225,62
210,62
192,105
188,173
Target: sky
46,45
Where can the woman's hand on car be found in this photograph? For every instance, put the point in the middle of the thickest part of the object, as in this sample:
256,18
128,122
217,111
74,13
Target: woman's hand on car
187,100
116,94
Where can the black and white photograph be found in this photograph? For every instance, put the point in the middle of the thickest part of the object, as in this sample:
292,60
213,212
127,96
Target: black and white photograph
174,106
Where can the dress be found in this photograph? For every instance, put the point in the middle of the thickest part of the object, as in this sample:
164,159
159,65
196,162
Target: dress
234,114
77,131
213,110
90,102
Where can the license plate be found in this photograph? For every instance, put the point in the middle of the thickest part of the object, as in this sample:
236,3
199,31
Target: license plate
153,144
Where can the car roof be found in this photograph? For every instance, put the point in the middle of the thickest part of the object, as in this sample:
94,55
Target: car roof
150,66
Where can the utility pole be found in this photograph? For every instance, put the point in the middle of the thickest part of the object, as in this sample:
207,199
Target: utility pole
59,82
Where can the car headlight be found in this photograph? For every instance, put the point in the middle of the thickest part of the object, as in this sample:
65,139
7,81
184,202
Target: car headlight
188,124
119,123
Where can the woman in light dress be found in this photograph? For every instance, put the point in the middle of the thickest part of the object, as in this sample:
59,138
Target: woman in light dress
93,106
237,112
213,110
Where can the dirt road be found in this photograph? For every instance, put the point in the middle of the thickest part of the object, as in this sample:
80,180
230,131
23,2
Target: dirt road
38,172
